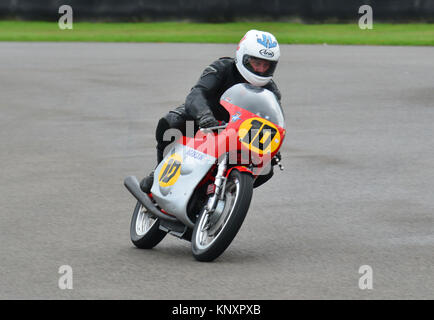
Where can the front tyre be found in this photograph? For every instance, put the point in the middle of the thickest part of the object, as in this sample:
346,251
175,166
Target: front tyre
144,229
213,233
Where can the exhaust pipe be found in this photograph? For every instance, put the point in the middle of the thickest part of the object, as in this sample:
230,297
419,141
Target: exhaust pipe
133,186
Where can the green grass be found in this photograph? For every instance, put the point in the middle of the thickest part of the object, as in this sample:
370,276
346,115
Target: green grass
290,33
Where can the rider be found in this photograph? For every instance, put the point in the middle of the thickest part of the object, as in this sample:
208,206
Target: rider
256,59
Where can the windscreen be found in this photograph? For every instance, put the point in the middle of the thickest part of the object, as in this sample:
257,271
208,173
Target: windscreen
257,100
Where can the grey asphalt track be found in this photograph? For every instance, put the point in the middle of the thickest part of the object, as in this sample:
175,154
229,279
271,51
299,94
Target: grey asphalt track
76,118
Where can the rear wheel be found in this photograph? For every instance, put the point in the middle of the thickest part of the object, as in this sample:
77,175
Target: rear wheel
144,229
214,232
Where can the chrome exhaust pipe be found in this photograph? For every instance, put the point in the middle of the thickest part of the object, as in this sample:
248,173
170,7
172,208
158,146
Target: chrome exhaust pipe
132,184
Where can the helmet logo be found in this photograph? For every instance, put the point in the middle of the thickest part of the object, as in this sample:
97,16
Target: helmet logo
266,53
267,41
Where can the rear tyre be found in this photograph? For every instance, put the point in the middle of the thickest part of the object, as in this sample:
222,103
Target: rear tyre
212,234
144,229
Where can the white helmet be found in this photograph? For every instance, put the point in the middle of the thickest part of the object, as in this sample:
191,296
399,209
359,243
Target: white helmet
260,45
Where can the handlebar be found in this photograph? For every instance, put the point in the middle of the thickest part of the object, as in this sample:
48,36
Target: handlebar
211,129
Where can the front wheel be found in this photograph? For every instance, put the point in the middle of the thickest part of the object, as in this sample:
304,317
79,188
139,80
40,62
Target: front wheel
144,229
214,232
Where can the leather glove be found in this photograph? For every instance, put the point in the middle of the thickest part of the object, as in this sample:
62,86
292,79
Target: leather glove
274,161
207,121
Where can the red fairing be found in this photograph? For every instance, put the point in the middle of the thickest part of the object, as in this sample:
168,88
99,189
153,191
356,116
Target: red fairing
228,139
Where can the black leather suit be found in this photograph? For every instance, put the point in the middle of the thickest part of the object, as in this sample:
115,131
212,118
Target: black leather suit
204,99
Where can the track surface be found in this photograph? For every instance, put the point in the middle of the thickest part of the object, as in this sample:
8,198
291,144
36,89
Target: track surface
357,190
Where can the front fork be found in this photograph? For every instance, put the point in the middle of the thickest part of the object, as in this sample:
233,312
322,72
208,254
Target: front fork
220,184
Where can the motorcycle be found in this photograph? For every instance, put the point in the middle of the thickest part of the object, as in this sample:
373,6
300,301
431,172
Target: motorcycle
203,187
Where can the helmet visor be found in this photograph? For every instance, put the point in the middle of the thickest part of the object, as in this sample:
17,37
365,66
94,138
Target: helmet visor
259,66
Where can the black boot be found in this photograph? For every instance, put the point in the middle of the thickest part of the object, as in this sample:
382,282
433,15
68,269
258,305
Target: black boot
147,182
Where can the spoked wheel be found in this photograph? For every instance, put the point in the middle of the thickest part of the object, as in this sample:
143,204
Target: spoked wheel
214,232
144,230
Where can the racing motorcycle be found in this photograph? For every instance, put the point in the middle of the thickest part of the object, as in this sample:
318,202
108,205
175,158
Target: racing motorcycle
203,187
